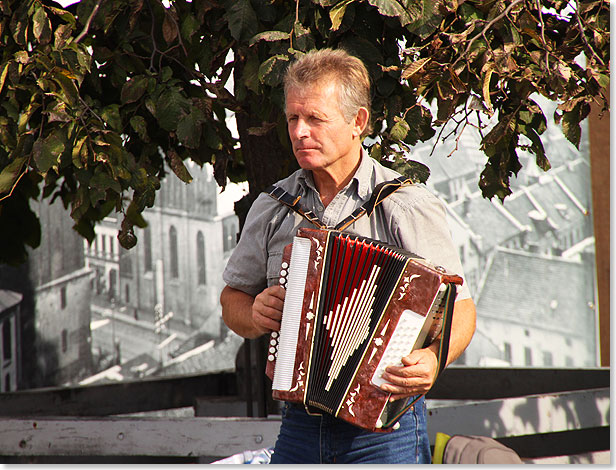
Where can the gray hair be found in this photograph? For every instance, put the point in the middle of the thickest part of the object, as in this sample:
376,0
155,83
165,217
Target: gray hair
348,72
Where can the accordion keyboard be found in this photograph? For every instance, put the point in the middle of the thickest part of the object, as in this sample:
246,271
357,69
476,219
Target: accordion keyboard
291,314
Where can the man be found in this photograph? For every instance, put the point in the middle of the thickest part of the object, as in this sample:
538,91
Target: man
327,106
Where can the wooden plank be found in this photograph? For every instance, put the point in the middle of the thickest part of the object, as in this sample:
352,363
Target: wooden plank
587,458
546,422
599,136
551,444
216,437
117,398
177,392
523,416
463,383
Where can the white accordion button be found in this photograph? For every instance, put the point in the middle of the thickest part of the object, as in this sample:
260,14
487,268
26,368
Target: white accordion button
271,357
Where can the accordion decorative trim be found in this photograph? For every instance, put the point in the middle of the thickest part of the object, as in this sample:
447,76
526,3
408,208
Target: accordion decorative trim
353,306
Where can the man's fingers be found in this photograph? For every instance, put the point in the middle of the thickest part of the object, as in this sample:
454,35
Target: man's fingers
277,291
265,322
267,308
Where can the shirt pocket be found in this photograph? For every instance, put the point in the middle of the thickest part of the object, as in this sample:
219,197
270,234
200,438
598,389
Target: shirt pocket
274,262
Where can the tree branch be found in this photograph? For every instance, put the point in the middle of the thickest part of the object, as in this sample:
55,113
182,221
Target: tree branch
545,44
486,28
583,36
89,21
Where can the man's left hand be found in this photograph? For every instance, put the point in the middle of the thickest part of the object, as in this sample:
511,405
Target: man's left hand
415,377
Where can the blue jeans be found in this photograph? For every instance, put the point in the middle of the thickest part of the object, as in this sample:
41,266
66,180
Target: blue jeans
325,439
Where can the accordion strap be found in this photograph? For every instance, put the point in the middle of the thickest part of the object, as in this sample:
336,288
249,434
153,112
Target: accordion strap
294,203
380,193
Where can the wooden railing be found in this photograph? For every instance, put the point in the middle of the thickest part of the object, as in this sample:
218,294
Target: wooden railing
537,412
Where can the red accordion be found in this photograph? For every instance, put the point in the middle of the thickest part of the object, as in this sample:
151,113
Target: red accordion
353,306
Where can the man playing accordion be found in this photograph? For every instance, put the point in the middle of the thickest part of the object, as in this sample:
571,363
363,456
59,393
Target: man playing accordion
327,106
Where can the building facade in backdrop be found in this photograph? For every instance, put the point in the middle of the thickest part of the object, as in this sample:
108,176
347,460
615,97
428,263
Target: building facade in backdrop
87,313
530,261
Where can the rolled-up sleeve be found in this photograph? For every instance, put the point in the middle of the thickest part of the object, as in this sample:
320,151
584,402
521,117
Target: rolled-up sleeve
246,269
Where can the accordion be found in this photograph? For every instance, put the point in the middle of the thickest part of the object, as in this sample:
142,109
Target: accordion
353,306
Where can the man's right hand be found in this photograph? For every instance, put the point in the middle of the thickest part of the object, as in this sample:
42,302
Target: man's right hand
267,309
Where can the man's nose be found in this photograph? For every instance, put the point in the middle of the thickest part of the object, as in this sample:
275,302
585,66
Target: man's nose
302,130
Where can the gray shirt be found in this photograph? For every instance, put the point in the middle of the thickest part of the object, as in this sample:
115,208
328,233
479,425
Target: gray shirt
412,218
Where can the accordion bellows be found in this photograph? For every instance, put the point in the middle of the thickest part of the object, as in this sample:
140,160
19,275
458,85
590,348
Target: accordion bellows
353,306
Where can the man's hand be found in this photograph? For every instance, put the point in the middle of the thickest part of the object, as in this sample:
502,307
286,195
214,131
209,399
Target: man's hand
267,309
415,377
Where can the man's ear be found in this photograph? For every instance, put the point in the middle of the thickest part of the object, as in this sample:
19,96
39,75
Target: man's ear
361,121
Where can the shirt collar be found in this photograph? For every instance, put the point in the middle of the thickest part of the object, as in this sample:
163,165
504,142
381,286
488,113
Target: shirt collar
361,179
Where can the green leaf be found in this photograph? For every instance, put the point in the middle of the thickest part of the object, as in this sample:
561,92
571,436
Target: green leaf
272,70
538,149
177,165
138,123
492,182
61,35
85,228
269,36
58,113
242,19
42,26
170,30
134,89
189,131
170,107
251,73
400,129
424,16
19,29
22,57
416,171
166,74
571,122
85,59
80,202
71,93
3,75
104,181
76,152
134,215
392,8
10,173
603,80
111,115
64,14
303,38
336,14
46,152
376,152
189,27
415,66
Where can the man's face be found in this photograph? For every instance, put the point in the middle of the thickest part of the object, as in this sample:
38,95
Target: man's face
321,137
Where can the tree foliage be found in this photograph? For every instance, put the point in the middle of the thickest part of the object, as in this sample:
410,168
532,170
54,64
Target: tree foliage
99,101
